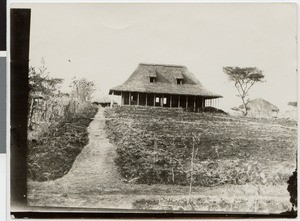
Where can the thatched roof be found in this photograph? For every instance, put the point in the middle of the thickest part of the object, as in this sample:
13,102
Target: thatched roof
260,104
103,100
293,103
166,81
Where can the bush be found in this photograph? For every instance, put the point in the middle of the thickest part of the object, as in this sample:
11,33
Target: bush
53,153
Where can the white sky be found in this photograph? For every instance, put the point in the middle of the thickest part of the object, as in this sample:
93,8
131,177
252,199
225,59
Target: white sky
105,43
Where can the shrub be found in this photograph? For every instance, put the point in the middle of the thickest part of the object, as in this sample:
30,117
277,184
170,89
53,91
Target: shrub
53,153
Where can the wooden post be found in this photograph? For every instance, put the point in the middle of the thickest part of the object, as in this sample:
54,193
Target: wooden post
111,100
186,102
31,111
191,170
202,103
154,97
178,101
146,99
162,101
194,103
129,98
170,100
138,99
122,99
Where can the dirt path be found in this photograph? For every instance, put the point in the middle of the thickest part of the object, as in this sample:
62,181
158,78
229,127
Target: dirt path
95,164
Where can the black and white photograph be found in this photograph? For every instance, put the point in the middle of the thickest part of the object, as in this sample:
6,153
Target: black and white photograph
166,107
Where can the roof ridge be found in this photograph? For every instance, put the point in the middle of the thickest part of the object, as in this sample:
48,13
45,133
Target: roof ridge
164,65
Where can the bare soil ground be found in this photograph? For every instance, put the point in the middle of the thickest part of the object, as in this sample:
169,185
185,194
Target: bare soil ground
94,182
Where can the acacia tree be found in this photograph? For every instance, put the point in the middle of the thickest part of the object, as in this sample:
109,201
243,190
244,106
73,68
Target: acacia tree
244,79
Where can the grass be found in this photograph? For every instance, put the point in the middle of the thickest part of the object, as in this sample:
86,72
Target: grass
154,146
53,153
161,197
213,204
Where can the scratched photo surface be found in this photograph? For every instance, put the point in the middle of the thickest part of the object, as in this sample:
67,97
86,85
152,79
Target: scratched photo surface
169,107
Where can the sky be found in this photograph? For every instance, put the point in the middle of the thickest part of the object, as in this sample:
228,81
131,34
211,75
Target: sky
106,42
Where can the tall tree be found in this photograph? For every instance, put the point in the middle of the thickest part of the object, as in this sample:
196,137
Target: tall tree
244,79
40,83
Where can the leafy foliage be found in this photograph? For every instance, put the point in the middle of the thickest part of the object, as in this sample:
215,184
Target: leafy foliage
82,89
52,155
40,83
57,123
49,106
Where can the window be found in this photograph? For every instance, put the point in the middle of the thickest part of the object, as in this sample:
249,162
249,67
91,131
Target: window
179,81
157,99
152,79
165,100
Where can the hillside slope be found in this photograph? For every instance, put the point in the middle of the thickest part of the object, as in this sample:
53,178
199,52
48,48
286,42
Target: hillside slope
155,146
94,181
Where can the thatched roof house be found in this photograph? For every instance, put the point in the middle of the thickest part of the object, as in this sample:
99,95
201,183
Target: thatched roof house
104,101
163,85
260,107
